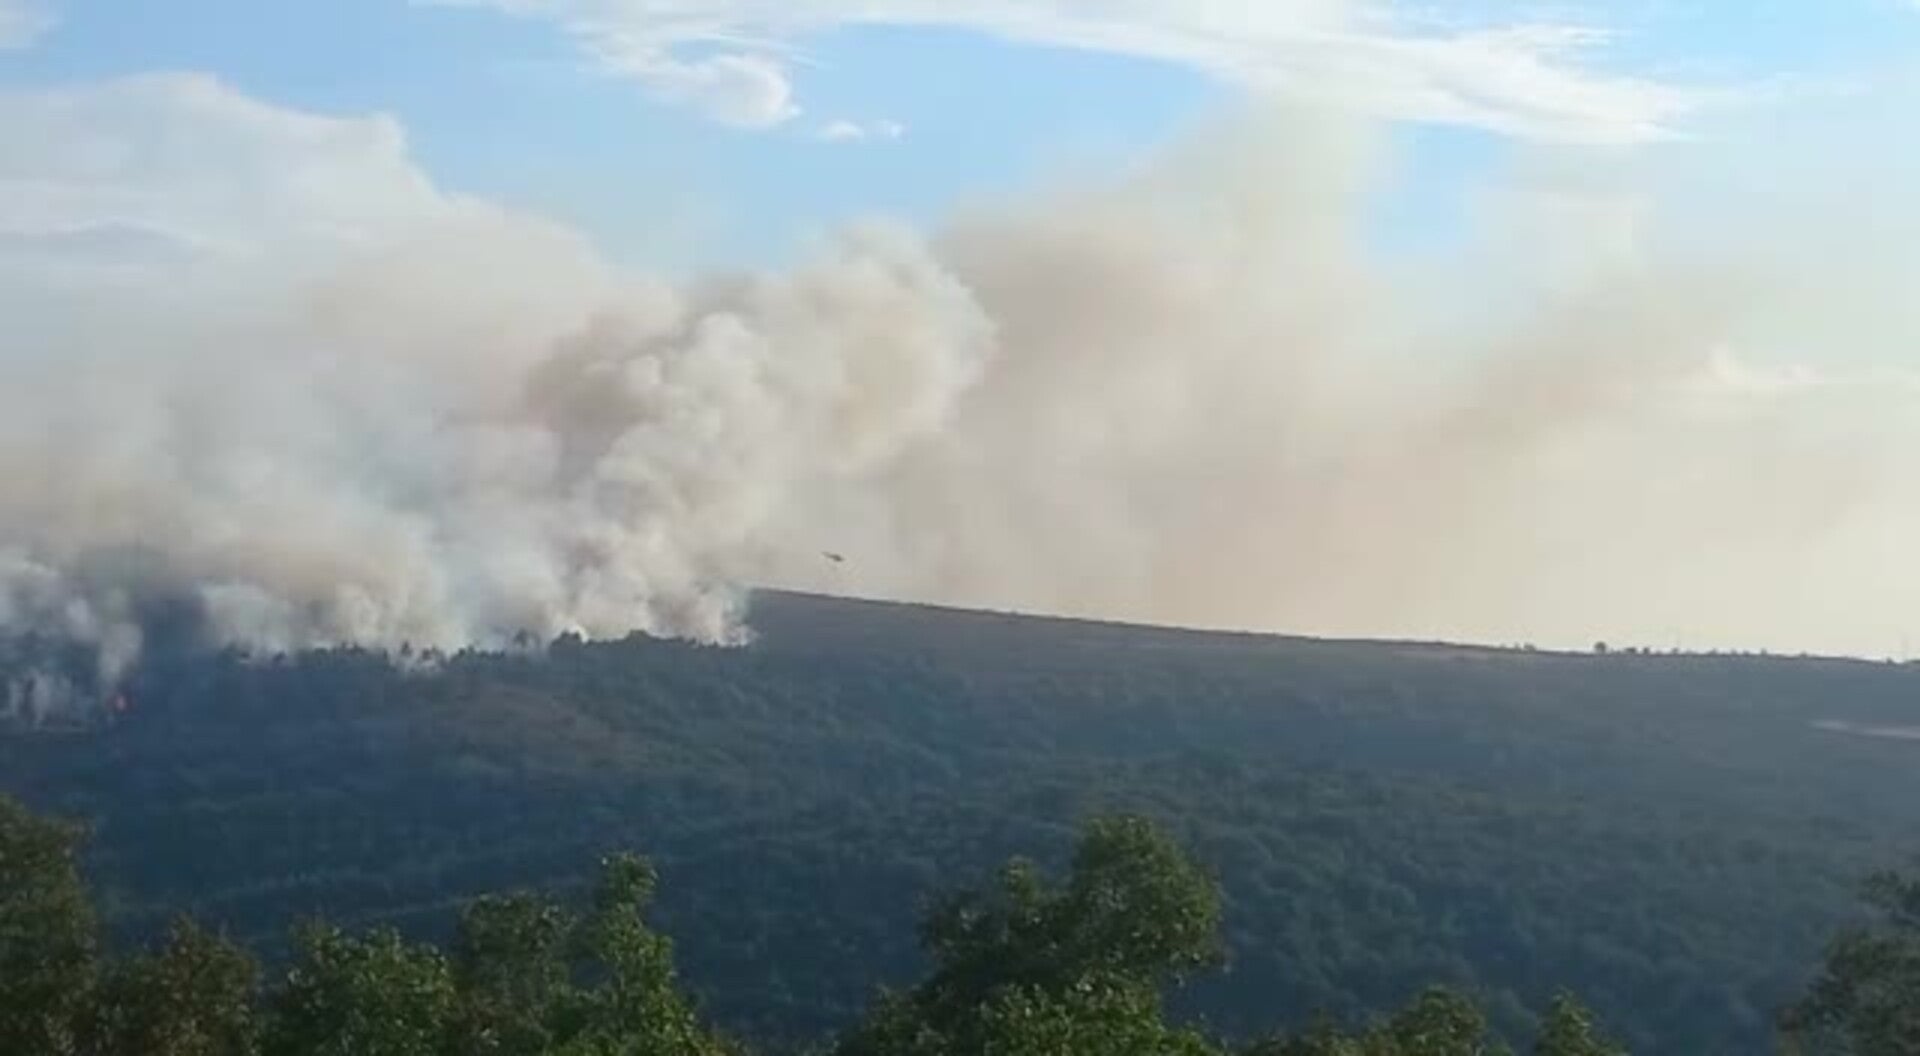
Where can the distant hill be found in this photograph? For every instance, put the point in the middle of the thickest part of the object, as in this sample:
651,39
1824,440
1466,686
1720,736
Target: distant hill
1673,836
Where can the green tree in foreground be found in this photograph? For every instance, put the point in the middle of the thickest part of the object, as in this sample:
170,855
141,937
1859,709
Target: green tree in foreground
1061,970
1443,1023
351,996
637,1008
1030,967
1437,1023
194,996
1078,969
511,969
1866,1001
47,935
526,978
1569,1030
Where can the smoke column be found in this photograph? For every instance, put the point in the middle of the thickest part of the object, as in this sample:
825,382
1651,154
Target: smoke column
1201,392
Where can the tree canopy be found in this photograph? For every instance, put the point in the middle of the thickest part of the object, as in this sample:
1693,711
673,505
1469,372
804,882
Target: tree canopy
1866,1000
1031,966
47,939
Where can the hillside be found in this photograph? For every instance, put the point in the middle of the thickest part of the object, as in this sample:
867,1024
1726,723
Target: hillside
1672,836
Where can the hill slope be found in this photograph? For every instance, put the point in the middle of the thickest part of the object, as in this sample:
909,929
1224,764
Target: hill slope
1672,836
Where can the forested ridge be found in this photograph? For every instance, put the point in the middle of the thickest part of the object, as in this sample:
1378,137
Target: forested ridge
1672,838
1028,966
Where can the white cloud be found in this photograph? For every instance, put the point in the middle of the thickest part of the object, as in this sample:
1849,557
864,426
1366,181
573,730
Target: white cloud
23,21
750,91
848,131
170,186
734,57
184,158
842,131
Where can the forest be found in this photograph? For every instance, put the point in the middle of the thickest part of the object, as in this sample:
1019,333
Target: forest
1675,839
1029,966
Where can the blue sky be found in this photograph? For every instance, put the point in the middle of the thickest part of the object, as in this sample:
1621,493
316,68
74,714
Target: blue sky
519,101
499,107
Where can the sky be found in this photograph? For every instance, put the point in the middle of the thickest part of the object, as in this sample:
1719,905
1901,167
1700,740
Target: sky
759,123
443,321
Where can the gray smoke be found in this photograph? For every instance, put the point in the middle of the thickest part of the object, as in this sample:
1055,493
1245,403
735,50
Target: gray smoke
1199,393
1635,406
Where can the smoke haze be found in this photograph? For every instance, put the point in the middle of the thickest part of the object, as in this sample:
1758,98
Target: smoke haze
1624,405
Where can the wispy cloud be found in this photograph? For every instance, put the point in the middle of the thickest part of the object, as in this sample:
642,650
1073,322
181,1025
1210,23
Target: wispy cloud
185,169
847,131
735,59
744,89
23,21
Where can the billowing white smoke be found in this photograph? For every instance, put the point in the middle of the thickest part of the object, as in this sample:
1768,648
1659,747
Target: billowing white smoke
1199,394
308,479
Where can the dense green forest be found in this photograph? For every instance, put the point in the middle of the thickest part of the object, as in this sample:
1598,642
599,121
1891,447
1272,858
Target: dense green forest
1673,838
1027,967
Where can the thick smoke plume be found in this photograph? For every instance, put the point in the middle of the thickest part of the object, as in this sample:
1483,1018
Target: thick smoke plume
308,479
1206,392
